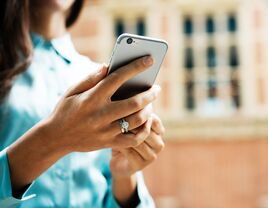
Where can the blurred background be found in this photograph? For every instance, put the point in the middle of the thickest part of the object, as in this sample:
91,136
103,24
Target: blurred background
214,101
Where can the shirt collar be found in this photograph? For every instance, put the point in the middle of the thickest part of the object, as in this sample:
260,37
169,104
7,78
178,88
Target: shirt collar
63,46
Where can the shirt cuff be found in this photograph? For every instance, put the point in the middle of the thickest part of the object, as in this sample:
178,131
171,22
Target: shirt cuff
6,198
145,198
146,201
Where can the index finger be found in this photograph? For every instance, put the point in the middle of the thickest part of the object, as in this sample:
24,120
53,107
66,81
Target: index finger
110,84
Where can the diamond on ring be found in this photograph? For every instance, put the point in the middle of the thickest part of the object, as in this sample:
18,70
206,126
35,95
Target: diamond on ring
124,126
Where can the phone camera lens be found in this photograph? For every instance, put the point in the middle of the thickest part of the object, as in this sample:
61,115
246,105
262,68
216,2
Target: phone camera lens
129,40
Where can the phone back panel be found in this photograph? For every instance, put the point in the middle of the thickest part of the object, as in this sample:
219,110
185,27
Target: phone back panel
124,53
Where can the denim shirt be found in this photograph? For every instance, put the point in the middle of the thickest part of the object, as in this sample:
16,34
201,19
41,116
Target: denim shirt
78,179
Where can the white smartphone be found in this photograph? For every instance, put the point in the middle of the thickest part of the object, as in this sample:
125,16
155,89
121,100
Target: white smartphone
129,47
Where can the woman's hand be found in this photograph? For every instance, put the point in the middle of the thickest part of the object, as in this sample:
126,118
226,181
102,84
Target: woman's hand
86,119
125,162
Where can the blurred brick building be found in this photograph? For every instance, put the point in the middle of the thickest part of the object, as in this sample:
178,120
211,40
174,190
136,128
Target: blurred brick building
215,94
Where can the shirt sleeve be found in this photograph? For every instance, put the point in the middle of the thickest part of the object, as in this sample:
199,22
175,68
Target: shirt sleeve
146,200
6,198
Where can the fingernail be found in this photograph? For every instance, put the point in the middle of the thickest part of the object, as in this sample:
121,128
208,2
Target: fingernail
148,61
105,65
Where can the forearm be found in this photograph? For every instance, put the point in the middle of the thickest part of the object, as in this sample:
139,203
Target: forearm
31,155
124,189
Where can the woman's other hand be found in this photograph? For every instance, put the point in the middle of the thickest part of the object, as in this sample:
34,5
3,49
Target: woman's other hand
125,162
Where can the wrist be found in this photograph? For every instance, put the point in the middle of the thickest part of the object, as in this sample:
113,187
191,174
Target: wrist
54,140
128,179
124,188
31,155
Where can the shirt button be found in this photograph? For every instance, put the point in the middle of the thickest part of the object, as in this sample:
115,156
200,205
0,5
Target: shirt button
63,175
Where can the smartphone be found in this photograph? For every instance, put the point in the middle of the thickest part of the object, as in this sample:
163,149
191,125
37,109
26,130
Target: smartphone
129,47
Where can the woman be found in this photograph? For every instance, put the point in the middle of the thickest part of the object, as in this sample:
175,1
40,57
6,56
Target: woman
41,159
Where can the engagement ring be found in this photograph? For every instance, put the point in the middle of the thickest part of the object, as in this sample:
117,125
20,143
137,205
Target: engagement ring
124,125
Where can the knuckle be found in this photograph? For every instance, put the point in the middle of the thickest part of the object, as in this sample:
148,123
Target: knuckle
138,64
139,119
148,97
152,157
69,91
160,147
87,100
135,103
137,140
147,131
114,77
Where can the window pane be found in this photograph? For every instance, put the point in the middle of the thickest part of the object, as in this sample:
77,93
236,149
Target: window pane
119,27
235,91
211,57
190,101
141,30
212,89
232,23
189,59
233,56
188,26
210,25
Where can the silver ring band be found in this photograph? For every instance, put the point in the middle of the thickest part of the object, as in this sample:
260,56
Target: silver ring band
124,126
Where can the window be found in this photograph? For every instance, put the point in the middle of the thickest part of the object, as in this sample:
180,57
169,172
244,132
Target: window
119,27
188,26
212,88
233,56
190,101
136,26
189,59
235,93
232,24
141,27
207,81
210,26
211,57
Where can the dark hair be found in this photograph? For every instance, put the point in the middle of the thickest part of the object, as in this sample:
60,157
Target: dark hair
15,43
74,13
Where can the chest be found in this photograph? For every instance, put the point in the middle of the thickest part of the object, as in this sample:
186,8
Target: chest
36,92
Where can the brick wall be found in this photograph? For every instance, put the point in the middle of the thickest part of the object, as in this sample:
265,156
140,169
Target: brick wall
216,174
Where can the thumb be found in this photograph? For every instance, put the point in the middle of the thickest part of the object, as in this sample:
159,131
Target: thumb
90,81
